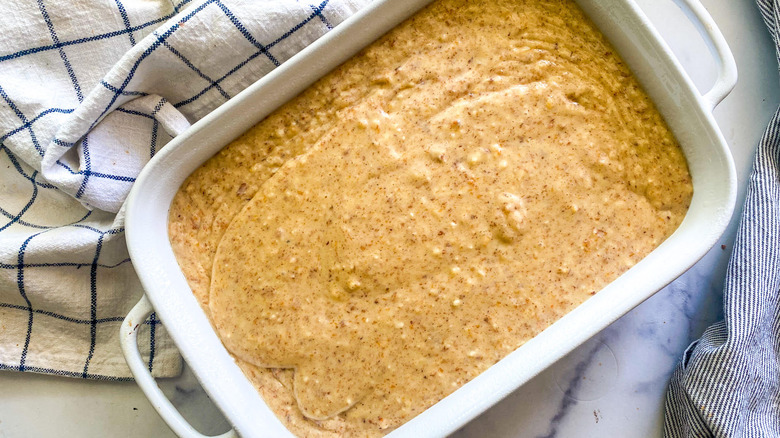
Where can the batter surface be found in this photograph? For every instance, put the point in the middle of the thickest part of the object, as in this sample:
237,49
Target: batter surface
425,209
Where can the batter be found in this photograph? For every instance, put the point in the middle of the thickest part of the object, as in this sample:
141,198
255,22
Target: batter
425,209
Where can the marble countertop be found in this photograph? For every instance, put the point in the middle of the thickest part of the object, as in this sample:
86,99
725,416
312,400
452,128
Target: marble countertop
613,385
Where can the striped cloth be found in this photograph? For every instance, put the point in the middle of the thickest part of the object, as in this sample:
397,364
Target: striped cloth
728,383
89,91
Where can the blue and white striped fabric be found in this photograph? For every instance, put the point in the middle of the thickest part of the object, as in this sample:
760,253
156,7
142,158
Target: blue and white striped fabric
89,91
728,384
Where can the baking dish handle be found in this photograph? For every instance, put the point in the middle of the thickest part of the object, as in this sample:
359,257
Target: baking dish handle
727,66
129,340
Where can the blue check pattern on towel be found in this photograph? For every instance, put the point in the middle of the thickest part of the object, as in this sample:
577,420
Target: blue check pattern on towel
90,90
728,384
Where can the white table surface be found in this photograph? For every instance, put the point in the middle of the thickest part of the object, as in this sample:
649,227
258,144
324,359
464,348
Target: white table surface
619,392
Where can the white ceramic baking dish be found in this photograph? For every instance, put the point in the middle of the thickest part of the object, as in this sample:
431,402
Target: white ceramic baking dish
687,112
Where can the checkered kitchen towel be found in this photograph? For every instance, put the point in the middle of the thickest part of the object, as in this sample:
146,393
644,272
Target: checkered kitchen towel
89,91
728,384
